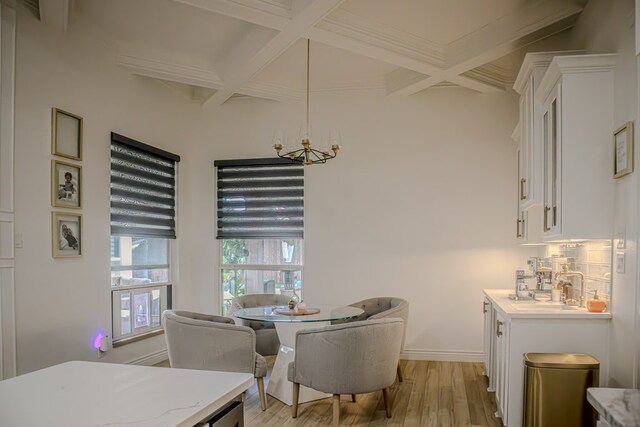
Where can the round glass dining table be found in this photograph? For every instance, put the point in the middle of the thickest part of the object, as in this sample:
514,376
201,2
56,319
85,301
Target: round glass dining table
286,326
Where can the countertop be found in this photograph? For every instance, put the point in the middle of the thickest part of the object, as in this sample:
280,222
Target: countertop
618,406
106,394
542,310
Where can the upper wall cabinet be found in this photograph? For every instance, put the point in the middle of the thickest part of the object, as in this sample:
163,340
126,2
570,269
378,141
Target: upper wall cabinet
528,136
576,99
530,191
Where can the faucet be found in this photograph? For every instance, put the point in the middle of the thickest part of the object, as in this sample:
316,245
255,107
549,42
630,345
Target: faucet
521,286
540,273
566,273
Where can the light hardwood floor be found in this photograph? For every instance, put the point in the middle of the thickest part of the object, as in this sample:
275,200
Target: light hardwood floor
432,394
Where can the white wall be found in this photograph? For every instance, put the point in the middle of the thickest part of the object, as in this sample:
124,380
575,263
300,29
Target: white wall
61,304
419,204
608,27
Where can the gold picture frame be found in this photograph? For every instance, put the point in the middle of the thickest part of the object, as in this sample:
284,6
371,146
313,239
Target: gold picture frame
66,134
623,150
66,234
66,185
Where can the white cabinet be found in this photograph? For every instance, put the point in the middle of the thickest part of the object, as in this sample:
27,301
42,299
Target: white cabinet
576,94
510,332
489,342
528,136
530,159
502,328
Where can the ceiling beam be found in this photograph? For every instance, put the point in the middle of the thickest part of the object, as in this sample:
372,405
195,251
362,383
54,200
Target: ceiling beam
55,13
245,11
529,24
239,69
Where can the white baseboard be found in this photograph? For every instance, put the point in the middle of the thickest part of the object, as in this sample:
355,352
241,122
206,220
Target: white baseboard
443,355
150,359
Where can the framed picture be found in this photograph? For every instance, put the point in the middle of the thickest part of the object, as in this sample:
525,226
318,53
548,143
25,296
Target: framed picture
623,150
66,185
66,134
67,234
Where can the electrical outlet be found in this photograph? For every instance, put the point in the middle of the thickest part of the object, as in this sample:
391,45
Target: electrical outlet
620,261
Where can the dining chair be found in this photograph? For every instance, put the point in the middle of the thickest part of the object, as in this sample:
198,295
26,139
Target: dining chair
350,358
384,307
209,342
267,342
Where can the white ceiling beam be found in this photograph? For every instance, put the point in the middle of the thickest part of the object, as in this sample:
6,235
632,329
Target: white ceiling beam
370,50
531,23
164,66
55,13
240,69
245,11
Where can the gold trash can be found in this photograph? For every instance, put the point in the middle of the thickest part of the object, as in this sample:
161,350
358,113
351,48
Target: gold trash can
555,389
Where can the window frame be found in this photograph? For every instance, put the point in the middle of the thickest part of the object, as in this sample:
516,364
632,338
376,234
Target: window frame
167,304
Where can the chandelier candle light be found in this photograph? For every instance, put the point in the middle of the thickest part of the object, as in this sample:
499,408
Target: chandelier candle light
307,155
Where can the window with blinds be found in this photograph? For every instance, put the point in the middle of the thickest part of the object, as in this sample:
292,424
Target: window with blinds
260,198
143,189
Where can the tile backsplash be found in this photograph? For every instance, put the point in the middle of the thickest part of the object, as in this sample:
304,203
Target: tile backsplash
591,257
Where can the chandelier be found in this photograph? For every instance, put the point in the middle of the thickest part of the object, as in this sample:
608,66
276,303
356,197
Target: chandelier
307,154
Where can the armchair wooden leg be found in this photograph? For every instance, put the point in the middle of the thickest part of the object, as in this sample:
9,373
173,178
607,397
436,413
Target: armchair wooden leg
387,401
296,395
353,398
336,410
263,398
400,378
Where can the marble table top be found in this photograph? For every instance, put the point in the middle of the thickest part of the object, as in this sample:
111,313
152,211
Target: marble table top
618,406
105,394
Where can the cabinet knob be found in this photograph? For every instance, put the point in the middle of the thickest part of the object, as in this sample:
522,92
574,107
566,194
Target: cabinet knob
498,331
522,182
518,233
484,306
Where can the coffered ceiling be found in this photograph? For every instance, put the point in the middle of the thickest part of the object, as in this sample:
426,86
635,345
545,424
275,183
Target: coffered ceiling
214,50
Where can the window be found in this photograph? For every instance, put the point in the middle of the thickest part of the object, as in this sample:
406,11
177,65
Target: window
143,211
260,218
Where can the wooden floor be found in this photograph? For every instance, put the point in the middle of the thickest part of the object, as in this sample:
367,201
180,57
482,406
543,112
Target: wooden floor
432,394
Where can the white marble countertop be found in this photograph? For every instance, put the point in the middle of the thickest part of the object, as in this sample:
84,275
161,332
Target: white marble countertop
618,406
103,394
542,310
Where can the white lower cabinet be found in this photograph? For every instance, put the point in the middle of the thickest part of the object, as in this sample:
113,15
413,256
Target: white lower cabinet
509,333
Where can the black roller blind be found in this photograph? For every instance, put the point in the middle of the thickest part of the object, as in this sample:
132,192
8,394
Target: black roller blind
143,189
260,198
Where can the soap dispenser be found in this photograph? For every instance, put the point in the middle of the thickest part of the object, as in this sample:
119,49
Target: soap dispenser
596,305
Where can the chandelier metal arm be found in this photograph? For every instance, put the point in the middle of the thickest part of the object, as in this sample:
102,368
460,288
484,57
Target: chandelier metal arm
307,155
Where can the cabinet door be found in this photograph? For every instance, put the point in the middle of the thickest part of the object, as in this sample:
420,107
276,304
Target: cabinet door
525,156
502,366
488,338
552,165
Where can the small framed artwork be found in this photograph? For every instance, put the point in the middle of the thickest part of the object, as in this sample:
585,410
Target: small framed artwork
67,234
66,185
66,134
623,150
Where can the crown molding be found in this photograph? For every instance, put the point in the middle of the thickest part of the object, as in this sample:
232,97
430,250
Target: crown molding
575,64
354,26
492,75
271,91
536,61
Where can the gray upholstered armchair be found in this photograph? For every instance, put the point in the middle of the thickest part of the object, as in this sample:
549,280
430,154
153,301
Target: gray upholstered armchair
350,358
384,307
267,343
208,342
